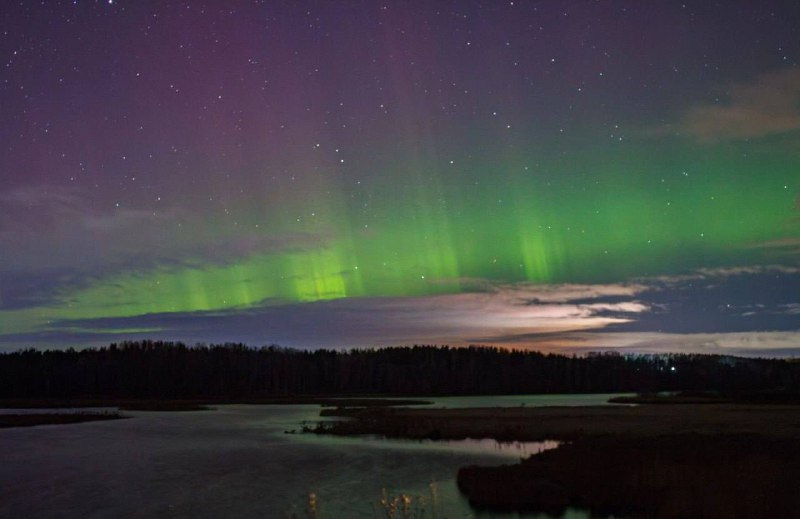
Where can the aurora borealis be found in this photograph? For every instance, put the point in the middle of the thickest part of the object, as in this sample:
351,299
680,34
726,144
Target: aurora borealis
555,175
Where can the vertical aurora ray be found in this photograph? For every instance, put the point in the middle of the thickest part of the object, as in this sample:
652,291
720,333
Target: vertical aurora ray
635,217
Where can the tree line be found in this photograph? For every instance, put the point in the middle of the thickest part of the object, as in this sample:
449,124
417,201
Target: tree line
157,369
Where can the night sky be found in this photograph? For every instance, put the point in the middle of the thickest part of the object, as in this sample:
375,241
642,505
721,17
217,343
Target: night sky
554,175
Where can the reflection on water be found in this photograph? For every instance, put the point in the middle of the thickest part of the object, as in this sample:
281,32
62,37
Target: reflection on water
488,445
234,461
499,452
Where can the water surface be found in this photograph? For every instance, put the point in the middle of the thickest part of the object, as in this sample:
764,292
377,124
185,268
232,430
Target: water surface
234,461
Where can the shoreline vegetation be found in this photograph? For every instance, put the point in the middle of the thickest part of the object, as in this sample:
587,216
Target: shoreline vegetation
203,404
566,423
33,419
712,460
80,410
770,397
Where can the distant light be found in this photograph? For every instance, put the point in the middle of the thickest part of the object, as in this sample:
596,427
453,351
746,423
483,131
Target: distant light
672,368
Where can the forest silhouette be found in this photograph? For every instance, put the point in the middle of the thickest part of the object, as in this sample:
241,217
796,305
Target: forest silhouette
156,369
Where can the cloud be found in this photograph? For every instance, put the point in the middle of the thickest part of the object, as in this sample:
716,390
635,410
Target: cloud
721,273
571,292
36,209
510,308
502,310
57,237
784,246
707,304
53,227
767,106
749,344
790,309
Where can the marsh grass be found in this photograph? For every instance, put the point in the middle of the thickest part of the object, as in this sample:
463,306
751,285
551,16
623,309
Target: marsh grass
390,505
405,506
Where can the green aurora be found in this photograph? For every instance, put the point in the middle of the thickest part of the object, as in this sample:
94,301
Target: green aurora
316,173
604,215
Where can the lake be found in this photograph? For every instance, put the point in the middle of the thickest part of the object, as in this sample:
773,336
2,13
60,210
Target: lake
237,461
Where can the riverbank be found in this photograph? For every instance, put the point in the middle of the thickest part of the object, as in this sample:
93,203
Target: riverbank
774,397
33,419
702,460
172,405
668,477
